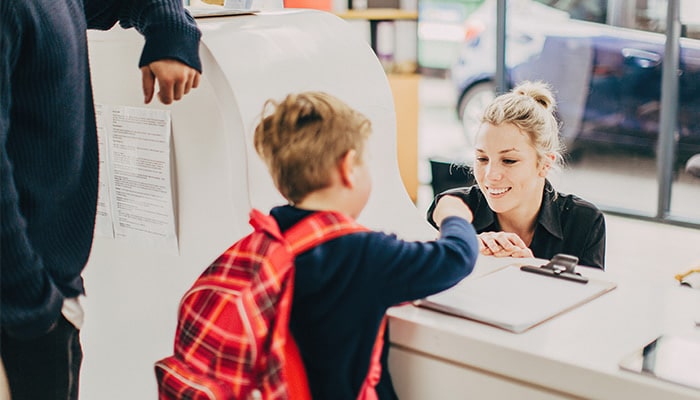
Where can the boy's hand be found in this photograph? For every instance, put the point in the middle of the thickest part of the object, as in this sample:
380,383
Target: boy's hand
503,244
449,206
175,80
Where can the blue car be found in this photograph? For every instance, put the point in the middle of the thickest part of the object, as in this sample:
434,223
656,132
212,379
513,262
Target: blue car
607,79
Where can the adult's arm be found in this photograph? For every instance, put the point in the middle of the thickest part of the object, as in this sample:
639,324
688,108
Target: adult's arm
174,78
171,51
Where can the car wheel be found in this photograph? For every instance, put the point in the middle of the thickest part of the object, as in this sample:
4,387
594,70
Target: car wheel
472,106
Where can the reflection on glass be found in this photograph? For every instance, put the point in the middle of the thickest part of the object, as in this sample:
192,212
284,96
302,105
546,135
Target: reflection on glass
605,61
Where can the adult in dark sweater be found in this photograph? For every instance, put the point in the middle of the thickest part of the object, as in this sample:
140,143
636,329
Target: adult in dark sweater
314,147
49,167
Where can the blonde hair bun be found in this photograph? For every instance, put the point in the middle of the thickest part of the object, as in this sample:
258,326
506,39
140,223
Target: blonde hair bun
539,91
534,118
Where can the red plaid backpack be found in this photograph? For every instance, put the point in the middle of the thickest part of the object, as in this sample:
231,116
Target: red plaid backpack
233,340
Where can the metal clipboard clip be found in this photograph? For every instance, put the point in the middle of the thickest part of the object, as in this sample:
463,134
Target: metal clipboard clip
560,266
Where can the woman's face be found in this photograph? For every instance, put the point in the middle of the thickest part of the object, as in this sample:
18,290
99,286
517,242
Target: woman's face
507,170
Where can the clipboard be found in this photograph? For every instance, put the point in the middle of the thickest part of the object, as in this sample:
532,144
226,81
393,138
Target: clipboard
514,299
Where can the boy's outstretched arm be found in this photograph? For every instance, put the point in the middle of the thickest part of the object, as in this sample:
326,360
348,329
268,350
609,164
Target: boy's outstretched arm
451,206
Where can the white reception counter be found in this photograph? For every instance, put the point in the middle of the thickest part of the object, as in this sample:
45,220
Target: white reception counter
573,355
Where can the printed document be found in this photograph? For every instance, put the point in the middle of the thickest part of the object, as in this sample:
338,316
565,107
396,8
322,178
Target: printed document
135,199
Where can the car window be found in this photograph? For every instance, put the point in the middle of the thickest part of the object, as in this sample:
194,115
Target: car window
586,10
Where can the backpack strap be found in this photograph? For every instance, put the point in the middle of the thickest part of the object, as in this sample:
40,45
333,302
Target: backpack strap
311,231
265,223
374,375
320,227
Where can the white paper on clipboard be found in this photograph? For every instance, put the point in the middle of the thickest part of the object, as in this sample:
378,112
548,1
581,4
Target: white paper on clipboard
514,300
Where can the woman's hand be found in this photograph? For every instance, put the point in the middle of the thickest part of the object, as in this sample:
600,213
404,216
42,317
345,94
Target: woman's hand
503,244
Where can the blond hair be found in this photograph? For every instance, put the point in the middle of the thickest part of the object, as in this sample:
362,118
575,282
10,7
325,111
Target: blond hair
530,107
304,136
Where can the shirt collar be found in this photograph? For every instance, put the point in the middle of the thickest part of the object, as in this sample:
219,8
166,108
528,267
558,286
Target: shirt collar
484,217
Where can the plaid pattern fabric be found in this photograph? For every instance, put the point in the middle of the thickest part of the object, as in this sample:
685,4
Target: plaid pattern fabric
232,339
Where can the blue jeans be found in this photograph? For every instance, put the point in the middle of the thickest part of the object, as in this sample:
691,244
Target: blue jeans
47,367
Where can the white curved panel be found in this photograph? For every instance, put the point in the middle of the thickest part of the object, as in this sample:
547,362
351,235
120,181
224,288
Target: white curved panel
133,291
314,50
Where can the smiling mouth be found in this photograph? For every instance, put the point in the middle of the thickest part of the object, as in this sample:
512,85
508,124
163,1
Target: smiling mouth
496,192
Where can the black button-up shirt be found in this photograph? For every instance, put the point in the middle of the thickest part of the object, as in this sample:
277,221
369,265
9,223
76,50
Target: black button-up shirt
565,224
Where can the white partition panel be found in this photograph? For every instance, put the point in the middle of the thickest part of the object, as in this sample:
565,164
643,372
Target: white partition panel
133,290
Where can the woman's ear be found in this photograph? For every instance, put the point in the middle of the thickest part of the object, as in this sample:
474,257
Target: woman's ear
546,164
347,168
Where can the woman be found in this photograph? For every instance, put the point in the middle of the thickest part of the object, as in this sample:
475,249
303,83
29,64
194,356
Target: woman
517,212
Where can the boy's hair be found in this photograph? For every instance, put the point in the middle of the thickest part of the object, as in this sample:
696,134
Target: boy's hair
304,137
530,107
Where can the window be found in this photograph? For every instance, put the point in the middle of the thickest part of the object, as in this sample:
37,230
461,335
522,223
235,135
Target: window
586,10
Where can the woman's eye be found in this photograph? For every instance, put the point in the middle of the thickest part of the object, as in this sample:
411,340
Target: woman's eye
482,160
509,161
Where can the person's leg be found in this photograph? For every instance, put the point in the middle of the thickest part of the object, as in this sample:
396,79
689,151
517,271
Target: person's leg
46,367
76,359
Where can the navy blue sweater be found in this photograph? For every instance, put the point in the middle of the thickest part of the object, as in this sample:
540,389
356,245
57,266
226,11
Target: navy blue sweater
48,144
343,288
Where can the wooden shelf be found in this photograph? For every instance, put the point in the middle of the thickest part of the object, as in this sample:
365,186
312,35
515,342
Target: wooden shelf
379,14
404,86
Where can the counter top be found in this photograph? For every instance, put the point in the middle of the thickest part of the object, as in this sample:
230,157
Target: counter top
576,353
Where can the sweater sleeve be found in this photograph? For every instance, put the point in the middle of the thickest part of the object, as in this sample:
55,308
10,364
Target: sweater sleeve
169,29
22,271
413,270
462,193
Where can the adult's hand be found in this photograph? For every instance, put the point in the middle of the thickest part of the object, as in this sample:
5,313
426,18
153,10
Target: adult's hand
175,80
503,244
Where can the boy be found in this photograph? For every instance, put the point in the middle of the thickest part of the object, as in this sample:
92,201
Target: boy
313,145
